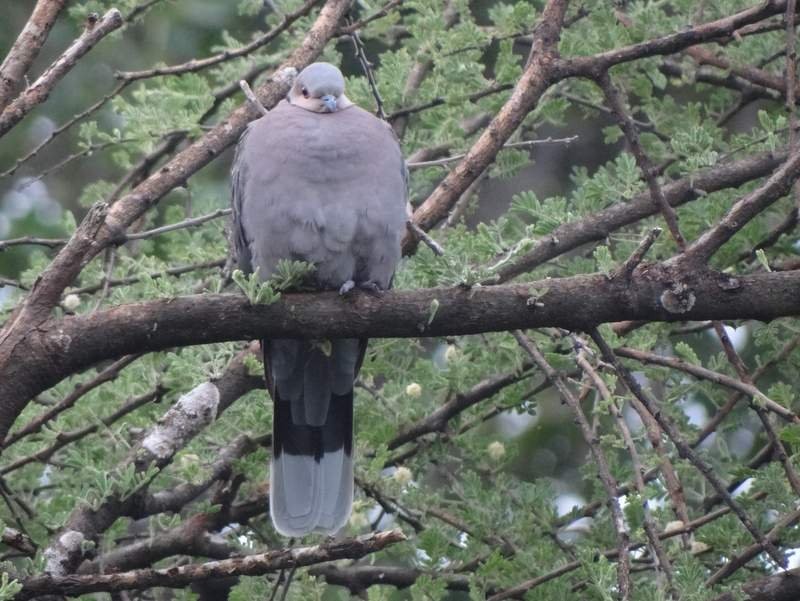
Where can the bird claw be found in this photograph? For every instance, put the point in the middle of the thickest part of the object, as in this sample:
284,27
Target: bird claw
370,287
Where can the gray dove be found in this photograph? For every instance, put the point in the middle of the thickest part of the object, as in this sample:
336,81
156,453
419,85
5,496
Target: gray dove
317,179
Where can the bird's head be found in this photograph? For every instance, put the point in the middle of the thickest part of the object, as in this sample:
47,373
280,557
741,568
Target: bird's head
320,89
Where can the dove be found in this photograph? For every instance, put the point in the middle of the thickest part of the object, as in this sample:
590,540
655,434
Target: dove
321,180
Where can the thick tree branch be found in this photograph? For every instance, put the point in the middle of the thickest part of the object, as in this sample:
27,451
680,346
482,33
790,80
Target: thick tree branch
17,540
178,577
26,47
655,292
591,66
745,209
597,226
38,92
532,84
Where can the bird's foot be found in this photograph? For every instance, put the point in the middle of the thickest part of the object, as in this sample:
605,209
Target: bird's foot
371,287
346,287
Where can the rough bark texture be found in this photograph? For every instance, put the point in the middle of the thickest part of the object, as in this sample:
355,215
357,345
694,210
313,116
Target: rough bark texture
529,89
251,565
59,348
26,47
41,88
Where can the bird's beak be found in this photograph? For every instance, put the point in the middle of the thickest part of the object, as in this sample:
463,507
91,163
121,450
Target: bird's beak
329,102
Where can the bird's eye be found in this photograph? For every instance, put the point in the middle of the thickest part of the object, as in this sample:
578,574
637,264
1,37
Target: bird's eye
304,91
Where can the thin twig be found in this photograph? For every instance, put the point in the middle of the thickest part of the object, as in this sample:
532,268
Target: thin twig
48,242
12,283
65,438
226,55
744,375
110,260
684,449
609,483
383,11
440,100
186,223
662,564
628,267
173,271
64,127
784,227
522,144
248,92
288,583
712,376
109,374
366,67
88,151
423,235
739,561
616,102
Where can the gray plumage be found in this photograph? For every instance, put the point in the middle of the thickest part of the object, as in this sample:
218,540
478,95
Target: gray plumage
317,179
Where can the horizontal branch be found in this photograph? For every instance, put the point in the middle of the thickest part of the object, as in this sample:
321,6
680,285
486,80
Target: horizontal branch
48,242
654,292
171,227
589,66
522,144
173,271
87,112
178,577
358,578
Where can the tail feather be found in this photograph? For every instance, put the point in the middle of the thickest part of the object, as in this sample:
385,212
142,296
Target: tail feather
311,472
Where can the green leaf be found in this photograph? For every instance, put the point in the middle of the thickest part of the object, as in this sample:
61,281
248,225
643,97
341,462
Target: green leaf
686,352
762,258
605,262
